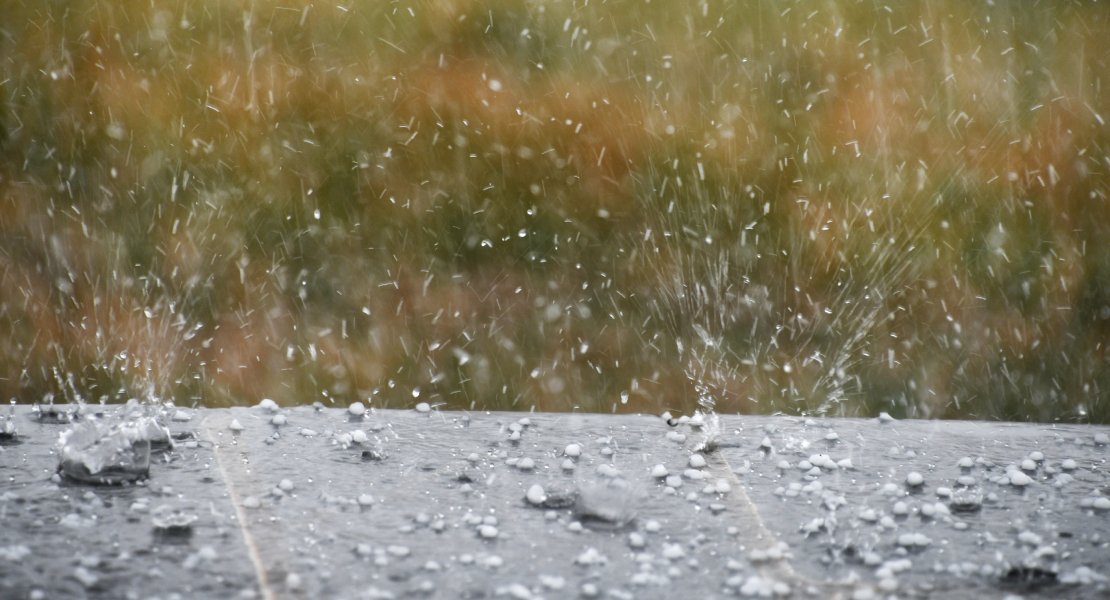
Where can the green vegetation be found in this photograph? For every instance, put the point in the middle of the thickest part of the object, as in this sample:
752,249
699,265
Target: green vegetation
625,205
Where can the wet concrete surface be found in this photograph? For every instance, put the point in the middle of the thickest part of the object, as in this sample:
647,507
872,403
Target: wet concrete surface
404,504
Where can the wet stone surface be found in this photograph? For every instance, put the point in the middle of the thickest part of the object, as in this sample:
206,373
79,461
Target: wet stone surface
424,504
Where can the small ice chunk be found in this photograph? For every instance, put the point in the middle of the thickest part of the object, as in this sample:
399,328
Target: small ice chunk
636,540
1028,465
591,557
845,463
659,471
487,531
965,463
1037,456
832,436
722,486
913,539
675,436
235,425
914,479
674,481
359,436
525,464
268,404
1102,439
423,407
885,417
1028,537
279,420
1020,479
568,464
697,461
901,509
573,450
357,409
398,551
1069,465
673,551
783,465
536,495
1101,503
86,578
285,485
365,500
652,526
182,416
944,492
308,432
251,502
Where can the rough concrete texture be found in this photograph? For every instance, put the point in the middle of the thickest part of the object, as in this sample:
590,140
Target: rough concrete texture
398,504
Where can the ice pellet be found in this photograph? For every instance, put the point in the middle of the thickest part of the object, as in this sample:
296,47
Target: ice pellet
659,471
359,436
1020,479
278,420
914,479
1102,439
235,425
423,407
568,465
487,531
536,495
573,450
965,463
673,551
697,461
251,502
357,409
526,464
365,500
285,485
1069,465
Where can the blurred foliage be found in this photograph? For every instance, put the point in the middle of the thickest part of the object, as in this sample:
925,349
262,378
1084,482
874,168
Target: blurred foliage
813,206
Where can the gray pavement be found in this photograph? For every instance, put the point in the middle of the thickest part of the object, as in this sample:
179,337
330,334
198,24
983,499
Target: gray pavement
400,504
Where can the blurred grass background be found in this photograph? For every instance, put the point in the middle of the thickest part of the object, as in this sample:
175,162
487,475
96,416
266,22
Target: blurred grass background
813,207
